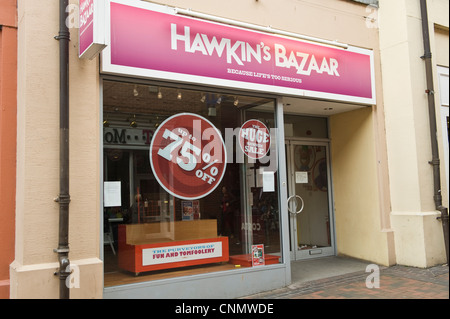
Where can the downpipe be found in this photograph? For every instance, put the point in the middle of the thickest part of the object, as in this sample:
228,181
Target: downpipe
435,162
63,198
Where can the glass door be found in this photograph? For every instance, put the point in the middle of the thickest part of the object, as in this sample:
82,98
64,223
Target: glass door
311,222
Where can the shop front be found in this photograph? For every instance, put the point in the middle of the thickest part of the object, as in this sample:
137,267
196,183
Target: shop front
164,219
214,174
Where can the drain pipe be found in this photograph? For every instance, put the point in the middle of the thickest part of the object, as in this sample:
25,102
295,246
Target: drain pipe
433,130
63,198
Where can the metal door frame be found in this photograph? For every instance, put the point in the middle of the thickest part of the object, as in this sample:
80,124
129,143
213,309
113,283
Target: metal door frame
295,253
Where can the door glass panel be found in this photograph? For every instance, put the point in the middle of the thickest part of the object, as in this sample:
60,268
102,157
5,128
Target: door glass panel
310,222
288,156
311,184
263,192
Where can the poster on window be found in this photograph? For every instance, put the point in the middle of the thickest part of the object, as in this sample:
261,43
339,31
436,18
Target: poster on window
112,194
254,139
190,209
257,255
188,156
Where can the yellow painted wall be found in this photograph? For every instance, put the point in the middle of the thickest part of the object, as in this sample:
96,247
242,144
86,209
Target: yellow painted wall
359,230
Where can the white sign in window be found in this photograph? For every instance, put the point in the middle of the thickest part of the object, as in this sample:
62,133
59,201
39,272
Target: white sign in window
112,194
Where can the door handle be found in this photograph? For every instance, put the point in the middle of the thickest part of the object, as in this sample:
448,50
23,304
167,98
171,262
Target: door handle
301,208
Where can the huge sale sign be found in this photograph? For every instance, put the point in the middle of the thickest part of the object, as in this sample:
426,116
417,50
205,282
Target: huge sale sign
150,41
254,139
188,156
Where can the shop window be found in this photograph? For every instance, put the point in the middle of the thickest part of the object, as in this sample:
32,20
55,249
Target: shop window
150,231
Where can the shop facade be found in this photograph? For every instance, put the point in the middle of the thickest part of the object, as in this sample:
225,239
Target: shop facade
197,198
206,152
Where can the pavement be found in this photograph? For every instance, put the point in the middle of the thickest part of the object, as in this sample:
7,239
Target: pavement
346,278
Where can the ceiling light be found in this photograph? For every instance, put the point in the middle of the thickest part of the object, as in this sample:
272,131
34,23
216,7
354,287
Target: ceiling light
236,101
115,155
203,98
159,94
179,95
133,123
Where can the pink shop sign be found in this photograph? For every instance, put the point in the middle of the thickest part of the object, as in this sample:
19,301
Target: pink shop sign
159,44
92,32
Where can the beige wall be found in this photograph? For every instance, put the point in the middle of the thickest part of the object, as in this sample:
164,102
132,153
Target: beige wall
325,19
418,235
38,159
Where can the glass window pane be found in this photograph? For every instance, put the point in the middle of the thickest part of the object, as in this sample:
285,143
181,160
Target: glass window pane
305,126
173,234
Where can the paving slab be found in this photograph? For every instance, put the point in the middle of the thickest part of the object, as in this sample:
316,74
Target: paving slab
340,278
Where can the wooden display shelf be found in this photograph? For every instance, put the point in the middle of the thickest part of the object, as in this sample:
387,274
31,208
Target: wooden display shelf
121,278
165,245
246,260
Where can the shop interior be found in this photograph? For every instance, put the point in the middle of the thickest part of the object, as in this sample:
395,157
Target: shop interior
238,210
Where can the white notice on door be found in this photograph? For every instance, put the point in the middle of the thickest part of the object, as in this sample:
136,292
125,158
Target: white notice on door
268,181
301,177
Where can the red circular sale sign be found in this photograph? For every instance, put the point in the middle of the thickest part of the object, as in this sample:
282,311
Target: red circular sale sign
254,139
188,156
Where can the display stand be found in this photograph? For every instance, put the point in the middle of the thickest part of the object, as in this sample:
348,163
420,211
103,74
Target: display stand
246,260
165,245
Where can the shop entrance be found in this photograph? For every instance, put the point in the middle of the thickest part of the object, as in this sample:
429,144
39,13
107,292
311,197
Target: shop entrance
309,203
